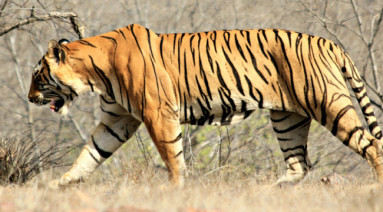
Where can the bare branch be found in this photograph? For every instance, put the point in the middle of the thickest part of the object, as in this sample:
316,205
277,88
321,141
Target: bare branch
359,20
376,26
322,22
79,31
369,43
2,6
61,15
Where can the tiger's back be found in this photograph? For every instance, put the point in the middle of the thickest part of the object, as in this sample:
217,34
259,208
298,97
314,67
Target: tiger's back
248,69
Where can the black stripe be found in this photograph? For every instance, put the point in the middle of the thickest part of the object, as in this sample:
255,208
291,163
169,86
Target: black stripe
104,79
161,50
289,36
243,106
274,62
193,121
205,113
231,101
248,113
192,48
254,63
84,42
202,93
103,153
294,148
251,89
364,150
174,44
261,46
282,99
110,38
150,43
226,37
122,33
235,72
239,47
186,74
211,118
214,40
220,78
293,127
143,98
209,57
365,107
264,35
338,117
314,93
202,71
297,44
267,69
106,101
178,154
108,112
285,139
295,155
173,141
115,135
155,75
91,85
185,107
373,125
379,135
94,158
362,97
350,134
260,101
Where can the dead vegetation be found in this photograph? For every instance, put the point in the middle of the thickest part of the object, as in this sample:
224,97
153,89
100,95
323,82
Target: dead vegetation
150,192
21,159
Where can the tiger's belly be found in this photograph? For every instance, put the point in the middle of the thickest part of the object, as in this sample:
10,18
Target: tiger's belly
216,113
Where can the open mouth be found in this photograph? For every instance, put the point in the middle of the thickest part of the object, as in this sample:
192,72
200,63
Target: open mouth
56,104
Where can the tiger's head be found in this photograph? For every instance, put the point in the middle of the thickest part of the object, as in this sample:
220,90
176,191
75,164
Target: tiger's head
51,79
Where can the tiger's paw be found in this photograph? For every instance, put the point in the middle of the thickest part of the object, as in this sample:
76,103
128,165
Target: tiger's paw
54,184
290,179
63,183
286,184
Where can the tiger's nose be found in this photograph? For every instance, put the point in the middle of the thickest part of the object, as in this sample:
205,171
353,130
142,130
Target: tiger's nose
31,98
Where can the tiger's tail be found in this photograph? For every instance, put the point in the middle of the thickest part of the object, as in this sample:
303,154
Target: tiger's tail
352,75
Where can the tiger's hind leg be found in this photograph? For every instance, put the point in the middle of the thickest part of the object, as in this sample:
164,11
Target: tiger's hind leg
346,126
292,130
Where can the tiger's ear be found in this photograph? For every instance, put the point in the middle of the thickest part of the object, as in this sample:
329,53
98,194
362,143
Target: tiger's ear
55,51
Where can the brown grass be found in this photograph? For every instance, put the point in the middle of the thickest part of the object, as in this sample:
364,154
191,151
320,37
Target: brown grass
21,159
148,190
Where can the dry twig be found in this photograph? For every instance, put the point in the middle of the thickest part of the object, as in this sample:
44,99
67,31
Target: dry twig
38,18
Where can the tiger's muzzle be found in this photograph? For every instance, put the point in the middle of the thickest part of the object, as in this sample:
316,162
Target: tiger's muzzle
56,103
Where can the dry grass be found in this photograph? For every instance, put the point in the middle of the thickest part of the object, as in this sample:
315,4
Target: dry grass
21,159
126,184
147,190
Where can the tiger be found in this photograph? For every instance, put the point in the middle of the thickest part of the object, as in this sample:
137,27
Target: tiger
214,77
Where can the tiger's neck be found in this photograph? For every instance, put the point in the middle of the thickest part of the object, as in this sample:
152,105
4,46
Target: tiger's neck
92,63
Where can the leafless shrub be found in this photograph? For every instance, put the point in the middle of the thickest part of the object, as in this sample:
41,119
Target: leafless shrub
21,159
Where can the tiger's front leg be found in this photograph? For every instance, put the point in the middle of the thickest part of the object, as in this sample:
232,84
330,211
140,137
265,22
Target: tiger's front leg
112,131
167,136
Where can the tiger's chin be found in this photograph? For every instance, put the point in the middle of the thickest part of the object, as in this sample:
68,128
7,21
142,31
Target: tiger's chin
59,106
